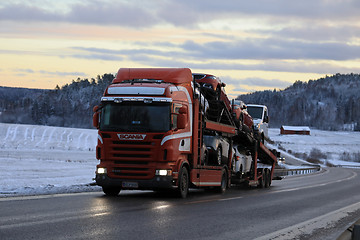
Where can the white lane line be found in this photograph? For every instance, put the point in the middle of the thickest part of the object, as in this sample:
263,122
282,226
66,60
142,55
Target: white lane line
8,223
328,220
227,199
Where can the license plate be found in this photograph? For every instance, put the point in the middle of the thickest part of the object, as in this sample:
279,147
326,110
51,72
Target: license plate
130,185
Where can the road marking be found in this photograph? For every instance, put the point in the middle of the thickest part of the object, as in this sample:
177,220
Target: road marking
17,222
227,199
213,200
328,220
201,201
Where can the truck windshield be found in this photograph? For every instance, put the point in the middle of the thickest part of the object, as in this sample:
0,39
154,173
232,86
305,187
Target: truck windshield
135,117
255,112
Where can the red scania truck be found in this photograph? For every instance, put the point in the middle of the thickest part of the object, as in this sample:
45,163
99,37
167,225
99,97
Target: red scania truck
155,133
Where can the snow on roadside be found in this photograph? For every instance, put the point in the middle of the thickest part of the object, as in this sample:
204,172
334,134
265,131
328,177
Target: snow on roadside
46,160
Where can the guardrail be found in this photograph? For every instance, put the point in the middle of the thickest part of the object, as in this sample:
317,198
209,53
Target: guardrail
279,172
348,166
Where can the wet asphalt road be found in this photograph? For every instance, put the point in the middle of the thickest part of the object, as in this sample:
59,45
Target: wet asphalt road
240,213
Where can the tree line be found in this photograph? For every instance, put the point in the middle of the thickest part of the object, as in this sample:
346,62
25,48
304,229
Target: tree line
67,106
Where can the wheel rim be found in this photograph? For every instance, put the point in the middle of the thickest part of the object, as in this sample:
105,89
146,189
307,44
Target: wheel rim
183,184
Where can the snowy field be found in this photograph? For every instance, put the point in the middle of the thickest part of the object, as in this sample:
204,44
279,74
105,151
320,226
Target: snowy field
336,146
46,160
41,159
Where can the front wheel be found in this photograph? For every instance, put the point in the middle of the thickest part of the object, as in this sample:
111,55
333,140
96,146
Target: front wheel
262,179
183,183
111,191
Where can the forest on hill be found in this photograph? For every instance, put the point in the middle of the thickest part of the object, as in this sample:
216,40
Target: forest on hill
329,103
67,106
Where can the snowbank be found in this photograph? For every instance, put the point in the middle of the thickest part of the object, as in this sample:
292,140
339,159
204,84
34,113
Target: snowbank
46,160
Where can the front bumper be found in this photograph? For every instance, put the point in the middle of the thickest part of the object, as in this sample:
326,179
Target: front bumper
158,182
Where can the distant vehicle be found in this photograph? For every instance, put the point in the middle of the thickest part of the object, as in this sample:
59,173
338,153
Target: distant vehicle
243,161
241,115
260,116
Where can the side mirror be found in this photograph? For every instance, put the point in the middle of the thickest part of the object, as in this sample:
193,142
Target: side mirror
182,110
266,119
96,117
182,118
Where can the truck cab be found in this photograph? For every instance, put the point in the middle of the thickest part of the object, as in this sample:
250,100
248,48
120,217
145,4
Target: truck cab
260,116
145,128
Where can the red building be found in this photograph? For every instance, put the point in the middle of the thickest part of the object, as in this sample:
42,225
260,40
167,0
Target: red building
301,130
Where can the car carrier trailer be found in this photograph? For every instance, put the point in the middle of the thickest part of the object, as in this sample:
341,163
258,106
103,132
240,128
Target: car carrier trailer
152,123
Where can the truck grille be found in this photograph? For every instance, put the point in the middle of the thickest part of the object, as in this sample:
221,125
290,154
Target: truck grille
133,159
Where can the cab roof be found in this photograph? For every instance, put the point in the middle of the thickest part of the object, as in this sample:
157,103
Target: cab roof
170,75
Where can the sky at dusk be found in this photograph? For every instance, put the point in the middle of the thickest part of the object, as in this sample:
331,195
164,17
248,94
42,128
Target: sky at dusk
250,45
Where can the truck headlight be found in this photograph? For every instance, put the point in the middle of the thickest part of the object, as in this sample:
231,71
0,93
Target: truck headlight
101,171
163,172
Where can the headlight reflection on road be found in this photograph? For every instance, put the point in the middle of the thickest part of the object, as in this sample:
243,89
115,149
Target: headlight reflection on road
161,207
99,207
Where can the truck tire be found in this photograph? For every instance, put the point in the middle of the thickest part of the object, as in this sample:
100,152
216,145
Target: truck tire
183,183
356,232
261,180
267,178
111,191
224,181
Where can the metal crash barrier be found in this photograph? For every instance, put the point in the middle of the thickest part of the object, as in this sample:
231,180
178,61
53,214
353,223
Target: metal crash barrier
280,172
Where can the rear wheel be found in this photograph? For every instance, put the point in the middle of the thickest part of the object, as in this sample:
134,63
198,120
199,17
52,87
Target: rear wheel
262,179
267,178
183,183
224,180
111,191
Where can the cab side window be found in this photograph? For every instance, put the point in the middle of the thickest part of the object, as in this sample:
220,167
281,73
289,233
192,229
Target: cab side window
174,114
